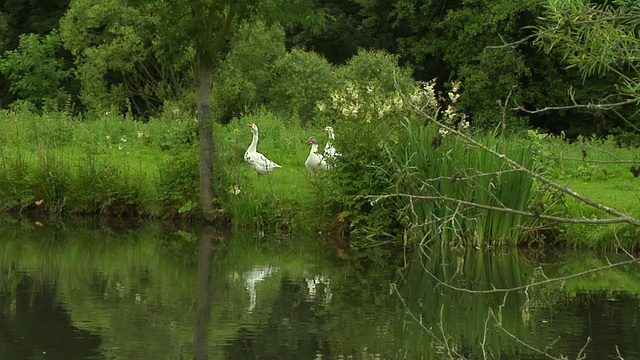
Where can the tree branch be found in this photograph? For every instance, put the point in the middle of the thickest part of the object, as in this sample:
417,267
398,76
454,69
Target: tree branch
622,217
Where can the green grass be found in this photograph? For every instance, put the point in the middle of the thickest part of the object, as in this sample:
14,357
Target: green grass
448,169
598,169
54,163
285,198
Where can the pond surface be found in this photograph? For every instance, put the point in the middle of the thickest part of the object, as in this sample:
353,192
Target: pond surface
87,290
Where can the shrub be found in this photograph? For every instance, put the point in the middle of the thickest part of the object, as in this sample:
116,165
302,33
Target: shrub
301,80
245,75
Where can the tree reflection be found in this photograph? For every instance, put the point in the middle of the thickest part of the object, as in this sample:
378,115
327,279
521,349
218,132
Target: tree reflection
203,305
34,324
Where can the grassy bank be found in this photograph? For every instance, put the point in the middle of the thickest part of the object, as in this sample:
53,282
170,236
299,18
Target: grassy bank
116,166
600,170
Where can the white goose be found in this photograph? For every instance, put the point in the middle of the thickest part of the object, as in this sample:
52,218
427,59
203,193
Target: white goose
258,162
315,163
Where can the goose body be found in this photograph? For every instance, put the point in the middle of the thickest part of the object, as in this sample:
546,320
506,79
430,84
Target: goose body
315,164
260,163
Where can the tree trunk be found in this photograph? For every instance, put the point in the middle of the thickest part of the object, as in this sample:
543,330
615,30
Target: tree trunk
205,127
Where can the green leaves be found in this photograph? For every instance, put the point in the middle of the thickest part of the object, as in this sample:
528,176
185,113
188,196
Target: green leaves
595,38
35,69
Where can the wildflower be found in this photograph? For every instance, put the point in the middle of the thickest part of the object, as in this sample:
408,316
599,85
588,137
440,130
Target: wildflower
450,112
370,88
108,137
321,106
443,132
453,94
140,134
464,123
119,146
235,190
123,139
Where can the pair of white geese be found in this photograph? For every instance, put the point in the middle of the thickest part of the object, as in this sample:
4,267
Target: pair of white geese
316,164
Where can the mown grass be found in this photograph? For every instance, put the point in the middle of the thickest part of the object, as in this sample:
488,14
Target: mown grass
598,169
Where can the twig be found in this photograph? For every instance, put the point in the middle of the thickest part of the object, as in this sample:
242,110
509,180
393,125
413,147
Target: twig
608,106
519,341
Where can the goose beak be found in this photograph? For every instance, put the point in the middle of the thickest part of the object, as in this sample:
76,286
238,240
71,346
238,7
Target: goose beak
309,141
250,125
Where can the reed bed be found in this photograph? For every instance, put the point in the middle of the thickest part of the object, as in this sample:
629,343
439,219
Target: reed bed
455,193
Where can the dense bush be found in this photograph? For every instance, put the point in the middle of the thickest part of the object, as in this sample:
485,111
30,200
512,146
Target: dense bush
244,78
301,79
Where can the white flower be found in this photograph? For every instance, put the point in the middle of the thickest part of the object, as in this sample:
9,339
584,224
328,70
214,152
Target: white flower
464,124
140,134
123,139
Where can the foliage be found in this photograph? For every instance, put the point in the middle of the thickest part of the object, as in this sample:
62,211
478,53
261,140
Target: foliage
608,30
103,39
55,163
455,51
600,41
365,115
301,79
36,71
462,194
244,78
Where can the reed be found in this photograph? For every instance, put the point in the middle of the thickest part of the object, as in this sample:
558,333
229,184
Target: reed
461,195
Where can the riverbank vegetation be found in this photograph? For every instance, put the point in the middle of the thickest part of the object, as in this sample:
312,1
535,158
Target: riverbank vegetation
453,193
455,155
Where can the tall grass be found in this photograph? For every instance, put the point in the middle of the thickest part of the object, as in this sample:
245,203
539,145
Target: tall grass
54,163
458,194
113,165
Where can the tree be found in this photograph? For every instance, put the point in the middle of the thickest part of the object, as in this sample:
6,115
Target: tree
596,39
201,28
112,38
35,73
23,17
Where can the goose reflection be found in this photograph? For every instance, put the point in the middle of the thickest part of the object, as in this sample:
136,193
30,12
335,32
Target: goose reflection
254,276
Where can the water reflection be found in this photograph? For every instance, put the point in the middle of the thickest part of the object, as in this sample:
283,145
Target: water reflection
203,306
141,291
319,282
254,276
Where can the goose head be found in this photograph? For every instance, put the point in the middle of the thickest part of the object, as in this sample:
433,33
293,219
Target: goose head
312,140
254,128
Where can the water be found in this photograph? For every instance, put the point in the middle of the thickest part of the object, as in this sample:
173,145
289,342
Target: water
88,290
